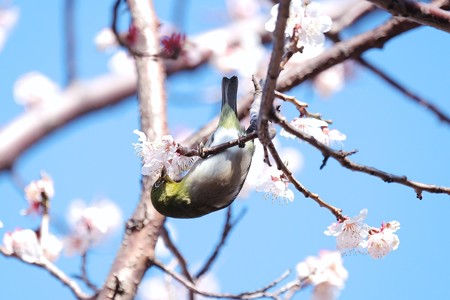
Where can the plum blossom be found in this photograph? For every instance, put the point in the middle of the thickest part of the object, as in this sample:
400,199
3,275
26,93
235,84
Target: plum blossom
91,224
382,241
105,39
325,273
330,81
122,63
154,154
275,187
305,22
8,19
351,233
24,244
243,9
317,129
243,57
159,154
51,247
37,192
34,88
354,234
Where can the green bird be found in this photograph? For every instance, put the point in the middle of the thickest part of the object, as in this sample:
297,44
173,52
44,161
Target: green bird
214,182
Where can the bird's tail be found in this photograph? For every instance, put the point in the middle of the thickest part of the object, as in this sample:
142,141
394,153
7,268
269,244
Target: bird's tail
229,92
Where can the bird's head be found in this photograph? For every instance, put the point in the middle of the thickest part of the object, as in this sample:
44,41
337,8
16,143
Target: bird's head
169,197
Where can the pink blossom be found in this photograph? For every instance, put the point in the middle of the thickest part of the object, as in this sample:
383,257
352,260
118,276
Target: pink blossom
34,88
317,129
24,244
91,224
384,240
350,233
325,273
275,187
38,191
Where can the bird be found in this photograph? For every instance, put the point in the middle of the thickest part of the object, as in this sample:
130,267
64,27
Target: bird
214,182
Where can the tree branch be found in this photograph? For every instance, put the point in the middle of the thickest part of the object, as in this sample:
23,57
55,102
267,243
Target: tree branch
342,158
171,246
410,95
228,226
58,274
138,246
260,293
422,13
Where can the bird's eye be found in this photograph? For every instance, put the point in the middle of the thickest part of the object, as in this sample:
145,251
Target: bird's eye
158,182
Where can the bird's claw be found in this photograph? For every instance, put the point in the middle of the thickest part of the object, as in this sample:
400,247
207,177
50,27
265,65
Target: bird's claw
201,151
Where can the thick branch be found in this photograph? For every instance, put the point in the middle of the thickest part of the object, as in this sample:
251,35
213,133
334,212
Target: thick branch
351,48
138,246
273,72
422,13
77,100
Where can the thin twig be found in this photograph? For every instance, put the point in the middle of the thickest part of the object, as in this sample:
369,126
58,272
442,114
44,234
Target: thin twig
353,14
207,151
84,276
301,107
58,274
337,212
171,246
259,293
228,226
414,97
342,158
114,28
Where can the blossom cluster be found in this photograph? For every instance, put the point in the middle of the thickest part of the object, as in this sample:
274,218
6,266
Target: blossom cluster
316,128
89,225
325,273
161,153
352,234
306,24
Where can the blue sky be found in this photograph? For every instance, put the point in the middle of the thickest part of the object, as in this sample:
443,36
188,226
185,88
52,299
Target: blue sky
93,158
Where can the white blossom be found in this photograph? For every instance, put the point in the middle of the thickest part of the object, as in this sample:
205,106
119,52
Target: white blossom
38,191
244,56
8,19
34,88
275,187
330,81
381,242
105,39
159,154
313,26
51,247
325,273
24,244
122,63
91,224
317,129
305,21
350,233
